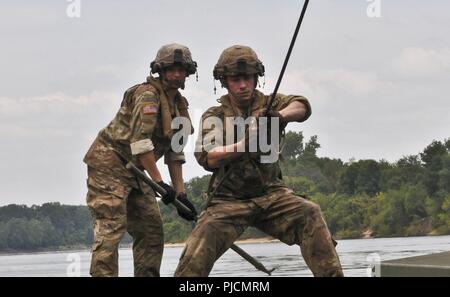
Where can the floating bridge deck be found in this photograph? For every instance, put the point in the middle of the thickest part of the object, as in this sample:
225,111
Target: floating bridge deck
433,265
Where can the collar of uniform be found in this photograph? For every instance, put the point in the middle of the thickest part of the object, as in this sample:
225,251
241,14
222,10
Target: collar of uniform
258,102
167,109
230,110
172,94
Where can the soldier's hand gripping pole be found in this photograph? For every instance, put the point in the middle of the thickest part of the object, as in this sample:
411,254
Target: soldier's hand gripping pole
288,55
160,190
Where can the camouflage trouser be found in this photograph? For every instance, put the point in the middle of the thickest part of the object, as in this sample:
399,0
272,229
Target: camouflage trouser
117,208
289,218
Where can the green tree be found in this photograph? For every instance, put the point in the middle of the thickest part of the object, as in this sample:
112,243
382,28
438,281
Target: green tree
432,156
332,170
347,182
293,145
361,177
23,234
301,185
444,216
444,174
3,237
15,211
312,146
397,209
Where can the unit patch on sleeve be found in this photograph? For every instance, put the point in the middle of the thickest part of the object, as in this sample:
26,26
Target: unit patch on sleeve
150,109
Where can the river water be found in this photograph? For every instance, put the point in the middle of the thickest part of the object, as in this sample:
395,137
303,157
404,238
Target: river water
355,256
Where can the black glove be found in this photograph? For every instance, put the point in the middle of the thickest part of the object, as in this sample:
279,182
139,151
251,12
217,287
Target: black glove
276,114
189,216
271,113
170,193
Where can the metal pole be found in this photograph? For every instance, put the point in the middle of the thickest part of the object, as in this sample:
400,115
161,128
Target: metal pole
288,55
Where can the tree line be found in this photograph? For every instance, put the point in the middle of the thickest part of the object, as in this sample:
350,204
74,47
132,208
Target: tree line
409,197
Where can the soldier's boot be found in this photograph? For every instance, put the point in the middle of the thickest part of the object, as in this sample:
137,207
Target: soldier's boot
318,247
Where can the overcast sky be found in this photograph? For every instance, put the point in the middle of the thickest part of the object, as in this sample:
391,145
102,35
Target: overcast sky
379,87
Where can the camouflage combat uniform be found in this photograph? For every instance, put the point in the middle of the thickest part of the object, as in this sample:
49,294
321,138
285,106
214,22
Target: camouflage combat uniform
245,193
118,201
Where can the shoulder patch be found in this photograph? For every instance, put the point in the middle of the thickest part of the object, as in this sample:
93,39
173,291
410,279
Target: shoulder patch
148,97
149,109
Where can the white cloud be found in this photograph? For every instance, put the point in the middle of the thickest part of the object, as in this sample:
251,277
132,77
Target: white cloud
18,106
416,62
336,86
56,115
370,114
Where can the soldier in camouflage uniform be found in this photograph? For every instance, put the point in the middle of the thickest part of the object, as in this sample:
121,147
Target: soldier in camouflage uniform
140,132
245,191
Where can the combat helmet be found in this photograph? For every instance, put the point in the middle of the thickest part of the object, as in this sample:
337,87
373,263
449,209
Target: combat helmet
235,60
173,53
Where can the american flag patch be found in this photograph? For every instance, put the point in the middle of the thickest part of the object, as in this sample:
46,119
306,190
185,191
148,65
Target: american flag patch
150,109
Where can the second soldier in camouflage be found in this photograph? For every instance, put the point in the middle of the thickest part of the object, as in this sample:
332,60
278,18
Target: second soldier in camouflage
245,191
140,132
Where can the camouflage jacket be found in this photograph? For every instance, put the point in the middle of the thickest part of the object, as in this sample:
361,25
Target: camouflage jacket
245,177
139,126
